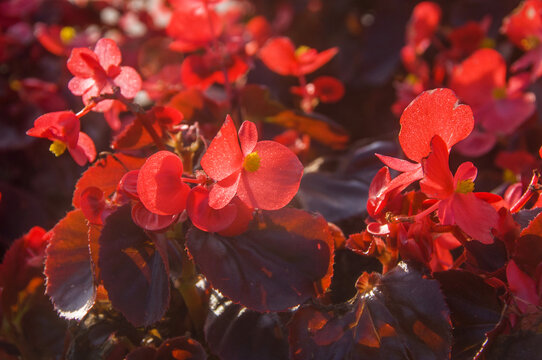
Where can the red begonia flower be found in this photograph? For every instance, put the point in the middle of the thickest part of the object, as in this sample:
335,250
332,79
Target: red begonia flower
524,29
499,107
457,203
263,174
97,72
434,112
62,127
280,55
202,71
159,184
190,27
524,26
422,25
328,89
468,38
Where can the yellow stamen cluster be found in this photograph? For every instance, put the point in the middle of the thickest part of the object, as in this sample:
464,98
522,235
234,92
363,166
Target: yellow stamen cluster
530,42
499,93
252,162
301,50
57,148
464,186
67,34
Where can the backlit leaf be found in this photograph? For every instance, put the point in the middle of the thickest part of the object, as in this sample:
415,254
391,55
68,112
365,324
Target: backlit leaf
133,271
70,280
105,174
318,127
281,262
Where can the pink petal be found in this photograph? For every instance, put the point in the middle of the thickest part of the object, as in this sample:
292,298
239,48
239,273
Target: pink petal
84,151
320,60
223,157
438,180
129,82
78,86
108,53
223,191
205,217
59,125
434,112
506,115
275,182
398,164
474,216
248,137
376,199
465,171
83,63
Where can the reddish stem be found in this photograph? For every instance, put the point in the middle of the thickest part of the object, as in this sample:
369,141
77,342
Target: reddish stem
528,194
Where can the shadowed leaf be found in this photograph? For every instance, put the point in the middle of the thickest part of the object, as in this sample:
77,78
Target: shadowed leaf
275,265
133,271
236,333
474,308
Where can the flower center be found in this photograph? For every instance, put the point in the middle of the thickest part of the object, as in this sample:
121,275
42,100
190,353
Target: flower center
464,186
530,42
499,93
252,162
57,148
67,33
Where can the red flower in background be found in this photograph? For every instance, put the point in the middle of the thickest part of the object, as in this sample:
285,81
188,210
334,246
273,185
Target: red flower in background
499,107
524,29
202,71
263,174
457,203
62,127
422,25
189,26
97,72
280,55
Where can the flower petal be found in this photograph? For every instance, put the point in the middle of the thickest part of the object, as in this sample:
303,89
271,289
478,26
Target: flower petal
223,157
223,191
438,180
248,137
129,82
474,216
434,112
159,184
275,182
205,217
108,53
85,150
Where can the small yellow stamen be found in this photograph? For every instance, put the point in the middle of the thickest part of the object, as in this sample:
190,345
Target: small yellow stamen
509,176
464,186
530,42
252,162
15,85
488,43
411,79
301,50
57,148
67,34
499,93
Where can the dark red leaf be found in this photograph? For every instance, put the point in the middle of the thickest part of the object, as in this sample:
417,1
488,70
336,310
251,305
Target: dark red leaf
133,271
474,307
70,280
396,316
276,265
237,333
